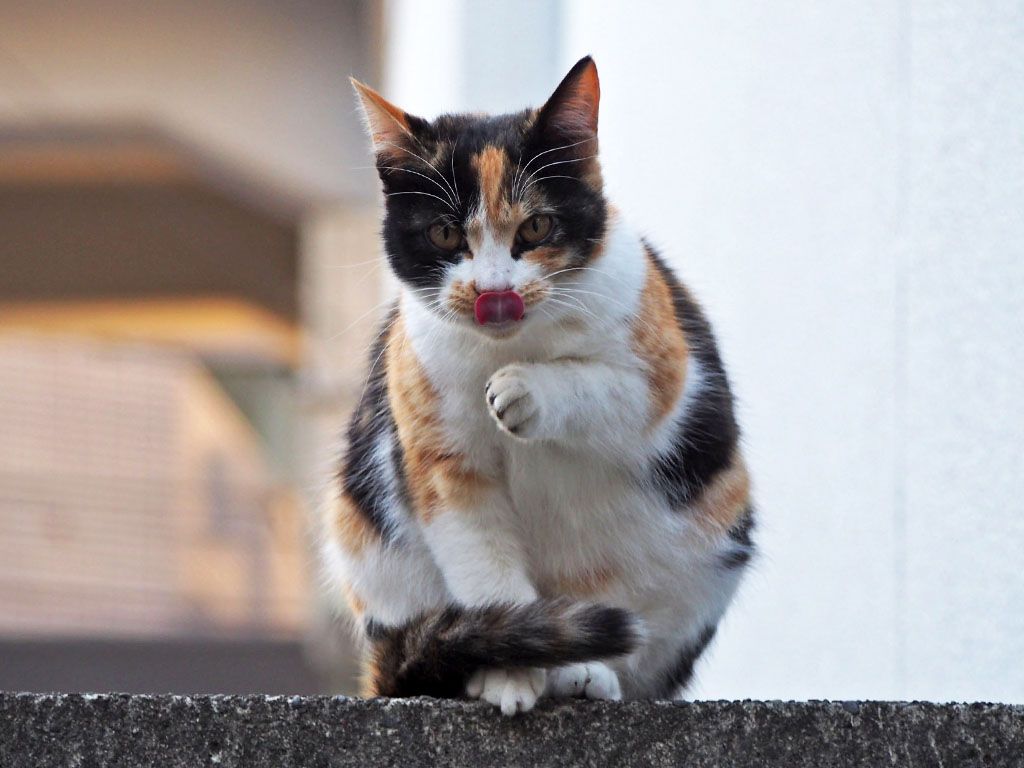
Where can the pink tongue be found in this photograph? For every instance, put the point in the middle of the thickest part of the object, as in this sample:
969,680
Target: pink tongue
498,306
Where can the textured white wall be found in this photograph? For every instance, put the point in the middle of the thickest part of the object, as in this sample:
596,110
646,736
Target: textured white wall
963,372
841,184
458,55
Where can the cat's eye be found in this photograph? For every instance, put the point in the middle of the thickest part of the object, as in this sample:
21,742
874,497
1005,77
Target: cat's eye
445,236
535,228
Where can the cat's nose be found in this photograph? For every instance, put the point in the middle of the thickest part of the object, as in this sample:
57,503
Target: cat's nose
488,286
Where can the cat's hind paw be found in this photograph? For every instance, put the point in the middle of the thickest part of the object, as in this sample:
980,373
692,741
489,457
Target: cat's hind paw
512,402
591,680
514,690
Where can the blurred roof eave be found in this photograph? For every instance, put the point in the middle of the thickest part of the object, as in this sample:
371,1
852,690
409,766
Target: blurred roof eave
134,149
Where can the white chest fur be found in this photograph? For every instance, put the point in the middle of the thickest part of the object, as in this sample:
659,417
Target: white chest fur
576,510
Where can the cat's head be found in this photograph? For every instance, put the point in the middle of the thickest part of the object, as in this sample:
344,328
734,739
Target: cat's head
485,215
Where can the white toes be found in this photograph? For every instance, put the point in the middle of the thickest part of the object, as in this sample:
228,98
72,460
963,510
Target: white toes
568,681
603,683
515,690
494,686
514,699
515,413
592,680
511,402
475,686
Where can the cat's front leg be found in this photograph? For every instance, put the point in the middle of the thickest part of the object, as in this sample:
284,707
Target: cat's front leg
483,563
574,401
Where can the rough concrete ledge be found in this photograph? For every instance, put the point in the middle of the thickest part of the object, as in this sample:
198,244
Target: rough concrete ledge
257,731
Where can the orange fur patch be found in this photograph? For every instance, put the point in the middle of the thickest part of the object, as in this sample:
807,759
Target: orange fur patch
581,106
491,164
553,259
588,584
659,342
352,531
389,125
725,498
462,297
355,604
580,113
368,677
437,478
533,292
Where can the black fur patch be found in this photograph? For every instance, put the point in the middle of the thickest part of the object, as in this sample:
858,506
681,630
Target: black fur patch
705,440
678,676
740,535
362,476
375,630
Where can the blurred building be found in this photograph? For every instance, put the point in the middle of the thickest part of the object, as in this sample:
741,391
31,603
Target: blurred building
187,280
136,499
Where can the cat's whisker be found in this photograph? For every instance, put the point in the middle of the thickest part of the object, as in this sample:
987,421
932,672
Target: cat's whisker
548,151
439,305
559,296
354,323
572,287
567,309
422,175
545,178
455,181
373,365
567,287
387,300
429,299
582,269
578,305
425,194
558,162
548,315
353,266
515,175
422,160
562,271
631,312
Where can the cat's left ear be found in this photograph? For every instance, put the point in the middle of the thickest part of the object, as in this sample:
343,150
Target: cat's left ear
391,129
570,115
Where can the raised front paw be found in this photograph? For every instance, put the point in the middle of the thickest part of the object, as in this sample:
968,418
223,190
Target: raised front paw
512,401
514,690
591,680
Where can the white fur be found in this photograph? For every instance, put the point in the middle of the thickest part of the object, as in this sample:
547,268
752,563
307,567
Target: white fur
514,690
570,494
590,680
491,268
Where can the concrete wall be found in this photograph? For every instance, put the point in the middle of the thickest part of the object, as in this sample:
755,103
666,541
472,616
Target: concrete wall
277,731
843,185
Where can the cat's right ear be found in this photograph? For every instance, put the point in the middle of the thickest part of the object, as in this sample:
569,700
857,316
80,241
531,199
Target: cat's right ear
391,129
570,115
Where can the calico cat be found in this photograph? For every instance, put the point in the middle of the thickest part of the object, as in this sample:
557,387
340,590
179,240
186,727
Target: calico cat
542,491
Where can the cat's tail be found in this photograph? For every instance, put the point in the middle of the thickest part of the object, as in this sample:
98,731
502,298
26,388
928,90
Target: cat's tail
436,653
